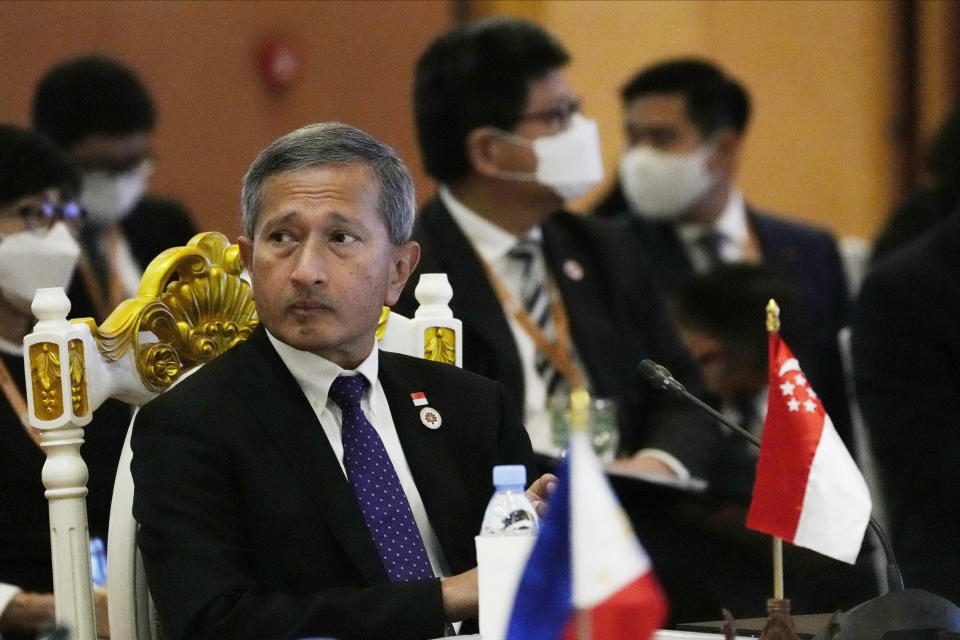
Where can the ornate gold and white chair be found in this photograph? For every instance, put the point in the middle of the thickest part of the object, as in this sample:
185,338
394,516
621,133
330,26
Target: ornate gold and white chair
192,305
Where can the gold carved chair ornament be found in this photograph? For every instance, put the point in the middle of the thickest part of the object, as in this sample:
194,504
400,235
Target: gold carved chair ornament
192,305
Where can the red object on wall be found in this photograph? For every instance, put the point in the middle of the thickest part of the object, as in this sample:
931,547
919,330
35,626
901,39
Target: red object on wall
280,63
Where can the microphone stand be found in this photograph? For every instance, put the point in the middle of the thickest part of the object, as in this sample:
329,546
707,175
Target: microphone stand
899,609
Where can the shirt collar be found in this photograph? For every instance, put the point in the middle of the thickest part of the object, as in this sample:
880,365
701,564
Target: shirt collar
731,223
489,240
315,374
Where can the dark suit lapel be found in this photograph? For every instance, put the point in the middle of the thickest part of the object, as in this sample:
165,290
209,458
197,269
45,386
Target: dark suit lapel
595,338
435,472
279,405
474,301
778,252
665,251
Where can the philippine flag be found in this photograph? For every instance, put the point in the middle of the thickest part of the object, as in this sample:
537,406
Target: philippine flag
808,490
587,569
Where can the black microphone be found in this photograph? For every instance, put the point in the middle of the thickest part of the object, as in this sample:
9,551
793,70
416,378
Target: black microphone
659,376
900,609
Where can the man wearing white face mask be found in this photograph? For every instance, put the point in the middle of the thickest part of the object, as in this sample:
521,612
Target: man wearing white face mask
685,120
549,300
38,225
101,115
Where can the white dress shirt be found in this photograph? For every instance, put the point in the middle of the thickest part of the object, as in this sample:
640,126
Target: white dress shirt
731,225
493,243
7,592
315,374
122,261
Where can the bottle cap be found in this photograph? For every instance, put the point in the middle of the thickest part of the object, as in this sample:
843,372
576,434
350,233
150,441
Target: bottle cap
509,475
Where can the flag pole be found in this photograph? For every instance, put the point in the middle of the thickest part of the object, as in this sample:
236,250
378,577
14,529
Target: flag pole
773,326
580,423
777,568
583,624
579,410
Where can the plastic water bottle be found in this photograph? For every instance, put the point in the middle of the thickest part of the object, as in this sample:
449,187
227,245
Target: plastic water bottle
510,512
98,562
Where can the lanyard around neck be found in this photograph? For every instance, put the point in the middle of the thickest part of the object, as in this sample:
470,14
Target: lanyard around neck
17,402
557,351
105,302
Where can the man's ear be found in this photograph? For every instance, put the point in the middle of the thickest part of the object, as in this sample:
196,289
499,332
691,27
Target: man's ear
485,151
727,151
406,257
246,252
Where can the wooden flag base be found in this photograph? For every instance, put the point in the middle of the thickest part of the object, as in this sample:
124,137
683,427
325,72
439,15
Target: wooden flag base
779,623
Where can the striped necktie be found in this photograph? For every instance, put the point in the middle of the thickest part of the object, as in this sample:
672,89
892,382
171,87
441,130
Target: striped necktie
536,301
711,242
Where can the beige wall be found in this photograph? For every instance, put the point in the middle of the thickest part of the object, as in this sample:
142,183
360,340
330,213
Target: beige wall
199,61
821,72
820,146
938,64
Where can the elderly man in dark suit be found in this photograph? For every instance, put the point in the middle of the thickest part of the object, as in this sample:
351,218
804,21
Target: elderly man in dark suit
685,121
290,488
549,300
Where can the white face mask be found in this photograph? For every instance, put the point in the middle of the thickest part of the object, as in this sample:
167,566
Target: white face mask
29,261
568,162
108,198
663,186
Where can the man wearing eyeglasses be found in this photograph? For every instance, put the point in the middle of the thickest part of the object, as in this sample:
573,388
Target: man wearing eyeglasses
39,223
549,300
99,113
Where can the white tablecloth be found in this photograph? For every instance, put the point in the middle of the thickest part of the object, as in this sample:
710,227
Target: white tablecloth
659,635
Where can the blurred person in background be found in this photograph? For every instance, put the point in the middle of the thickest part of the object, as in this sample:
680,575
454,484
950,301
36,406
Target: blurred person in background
100,114
685,121
721,318
906,346
932,203
549,300
39,224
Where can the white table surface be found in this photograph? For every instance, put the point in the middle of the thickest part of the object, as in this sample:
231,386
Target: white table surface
659,635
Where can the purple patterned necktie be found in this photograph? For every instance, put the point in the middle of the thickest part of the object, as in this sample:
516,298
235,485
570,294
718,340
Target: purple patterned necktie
377,488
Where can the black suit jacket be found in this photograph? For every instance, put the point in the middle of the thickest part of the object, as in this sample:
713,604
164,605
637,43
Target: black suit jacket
249,528
617,318
906,349
801,256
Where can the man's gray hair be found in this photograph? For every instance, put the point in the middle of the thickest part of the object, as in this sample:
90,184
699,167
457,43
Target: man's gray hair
334,144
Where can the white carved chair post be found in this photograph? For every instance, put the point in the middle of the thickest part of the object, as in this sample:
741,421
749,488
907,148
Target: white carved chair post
58,404
433,333
190,307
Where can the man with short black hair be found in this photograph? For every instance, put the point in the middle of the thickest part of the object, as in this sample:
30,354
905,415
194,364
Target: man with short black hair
685,120
290,488
549,300
98,112
720,315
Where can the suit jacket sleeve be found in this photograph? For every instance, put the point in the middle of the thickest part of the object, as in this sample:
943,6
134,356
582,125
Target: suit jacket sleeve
905,350
638,315
200,569
673,425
